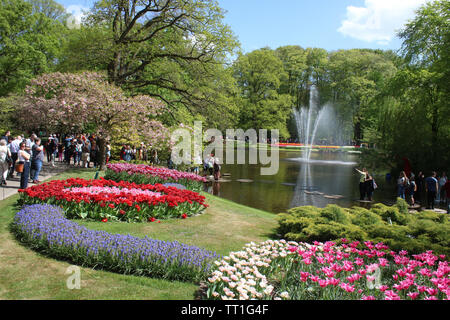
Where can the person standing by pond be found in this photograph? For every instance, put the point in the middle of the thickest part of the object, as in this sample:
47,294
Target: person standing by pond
216,167
369,186
362,183
402,185
447,194
420,180
441,192
412,190
431,186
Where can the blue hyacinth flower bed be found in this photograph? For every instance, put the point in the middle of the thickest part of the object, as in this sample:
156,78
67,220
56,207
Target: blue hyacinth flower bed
45,228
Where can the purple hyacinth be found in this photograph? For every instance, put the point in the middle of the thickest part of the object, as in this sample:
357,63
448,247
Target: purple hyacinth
45,226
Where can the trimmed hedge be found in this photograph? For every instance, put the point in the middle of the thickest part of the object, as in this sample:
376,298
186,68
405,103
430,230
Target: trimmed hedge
392,225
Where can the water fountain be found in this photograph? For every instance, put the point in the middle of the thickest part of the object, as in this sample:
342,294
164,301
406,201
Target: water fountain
308,120
304,118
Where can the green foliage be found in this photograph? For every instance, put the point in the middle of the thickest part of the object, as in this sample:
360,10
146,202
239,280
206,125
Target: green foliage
30,43
259,75
388,224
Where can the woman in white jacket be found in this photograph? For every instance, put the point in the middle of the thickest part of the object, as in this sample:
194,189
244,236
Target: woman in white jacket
4,165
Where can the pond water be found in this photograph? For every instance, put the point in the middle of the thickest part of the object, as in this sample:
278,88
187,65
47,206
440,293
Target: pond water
329,178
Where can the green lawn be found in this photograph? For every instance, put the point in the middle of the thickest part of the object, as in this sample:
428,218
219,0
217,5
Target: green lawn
225,226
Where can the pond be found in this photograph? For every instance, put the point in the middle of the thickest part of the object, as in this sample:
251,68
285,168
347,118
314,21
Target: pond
329,178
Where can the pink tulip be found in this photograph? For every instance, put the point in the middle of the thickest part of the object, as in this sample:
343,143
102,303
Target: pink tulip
413,295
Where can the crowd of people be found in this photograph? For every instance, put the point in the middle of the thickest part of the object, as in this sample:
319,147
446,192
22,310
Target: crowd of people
412,188
82,149
25,156
21,155
141,153
437,188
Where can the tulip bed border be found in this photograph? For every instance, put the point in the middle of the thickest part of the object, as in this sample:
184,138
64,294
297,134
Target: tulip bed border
145,174
327,271
44,228
161,203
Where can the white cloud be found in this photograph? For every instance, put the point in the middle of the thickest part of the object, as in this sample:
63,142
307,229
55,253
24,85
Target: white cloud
379,20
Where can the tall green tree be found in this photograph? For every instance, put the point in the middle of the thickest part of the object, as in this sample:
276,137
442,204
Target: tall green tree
173,50
420,92
30,43
355,78
259,75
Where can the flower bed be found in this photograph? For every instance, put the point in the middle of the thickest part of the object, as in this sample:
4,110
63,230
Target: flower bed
141,173
392,225
327,271
109,200
45,228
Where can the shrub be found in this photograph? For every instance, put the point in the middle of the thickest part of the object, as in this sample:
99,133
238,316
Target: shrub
335,213
365,218
402,205
416,232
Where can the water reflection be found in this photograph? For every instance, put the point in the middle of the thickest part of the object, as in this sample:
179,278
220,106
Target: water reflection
328,179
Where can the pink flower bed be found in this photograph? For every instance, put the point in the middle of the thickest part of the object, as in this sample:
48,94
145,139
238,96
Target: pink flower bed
327,271
163,173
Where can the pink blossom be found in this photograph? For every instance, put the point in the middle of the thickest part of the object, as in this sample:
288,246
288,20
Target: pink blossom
413,295
368,298
323,283
347,287
383,288
391,295
432,291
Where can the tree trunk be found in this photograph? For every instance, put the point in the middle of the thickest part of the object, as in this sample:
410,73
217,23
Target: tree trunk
357,133
101,143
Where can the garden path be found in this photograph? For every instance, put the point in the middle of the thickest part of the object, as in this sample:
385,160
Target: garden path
47,172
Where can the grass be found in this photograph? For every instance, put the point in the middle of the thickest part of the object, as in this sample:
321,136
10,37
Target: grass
25,274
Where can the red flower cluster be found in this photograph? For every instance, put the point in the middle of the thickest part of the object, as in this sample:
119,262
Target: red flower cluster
170,195
120,203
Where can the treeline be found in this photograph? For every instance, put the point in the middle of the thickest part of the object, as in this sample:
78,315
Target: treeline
181,52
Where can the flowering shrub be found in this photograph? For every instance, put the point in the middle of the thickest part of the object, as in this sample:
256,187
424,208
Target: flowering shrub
141,173
327,271
109,200
45,228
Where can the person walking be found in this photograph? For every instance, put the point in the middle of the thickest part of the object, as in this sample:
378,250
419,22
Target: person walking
24,157
5,155
431,187
51,149
14,148
85,153
37,160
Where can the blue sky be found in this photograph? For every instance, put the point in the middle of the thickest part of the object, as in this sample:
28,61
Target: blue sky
328,24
